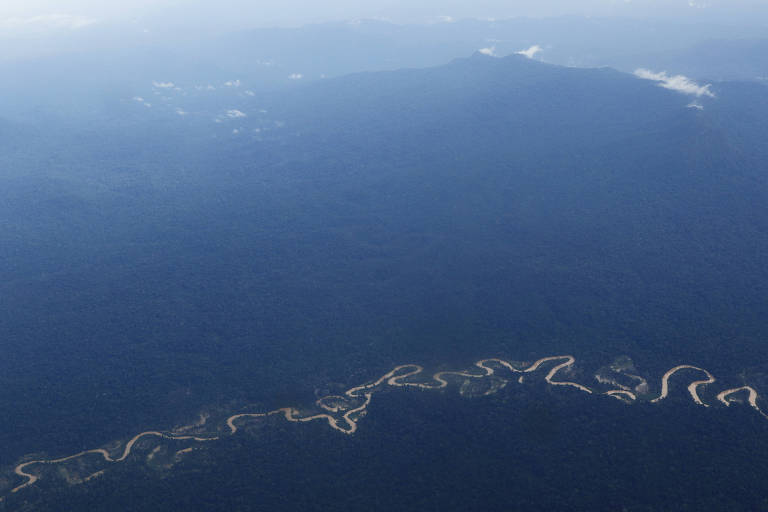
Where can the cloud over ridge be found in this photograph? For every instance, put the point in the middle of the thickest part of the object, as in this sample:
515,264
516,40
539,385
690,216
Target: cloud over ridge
677,83
530,52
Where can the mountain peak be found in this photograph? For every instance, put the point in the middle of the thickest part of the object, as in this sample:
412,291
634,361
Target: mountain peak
483,54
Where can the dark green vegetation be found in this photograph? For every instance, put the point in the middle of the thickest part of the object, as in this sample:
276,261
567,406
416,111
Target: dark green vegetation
152,268
531,450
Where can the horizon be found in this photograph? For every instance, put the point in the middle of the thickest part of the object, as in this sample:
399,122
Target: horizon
44,18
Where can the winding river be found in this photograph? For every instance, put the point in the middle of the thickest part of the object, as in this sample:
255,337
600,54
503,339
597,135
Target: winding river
343,412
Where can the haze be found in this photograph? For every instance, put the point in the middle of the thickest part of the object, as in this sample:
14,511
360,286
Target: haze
18,17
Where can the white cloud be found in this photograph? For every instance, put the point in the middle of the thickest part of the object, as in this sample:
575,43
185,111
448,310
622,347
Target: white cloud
139,99
696,105
164,85
234,114
445,19
232,83
250,93
677,83
491,51
235,131
181,112
530,52
37,24
295,76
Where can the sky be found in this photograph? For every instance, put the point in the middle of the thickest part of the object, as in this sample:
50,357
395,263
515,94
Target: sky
39,16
